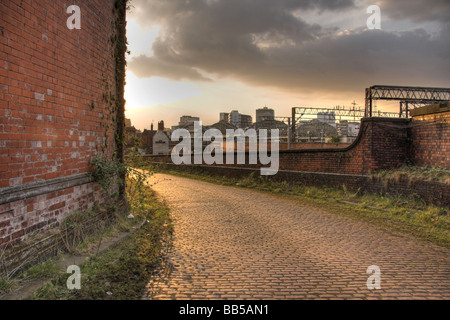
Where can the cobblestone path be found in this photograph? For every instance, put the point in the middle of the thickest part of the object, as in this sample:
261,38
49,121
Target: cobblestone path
233,243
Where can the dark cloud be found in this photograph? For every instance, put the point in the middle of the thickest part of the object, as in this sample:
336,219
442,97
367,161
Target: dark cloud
264,43
416,10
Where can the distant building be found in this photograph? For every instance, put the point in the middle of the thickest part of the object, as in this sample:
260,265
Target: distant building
268,125
315,131
187,120
147,140
235,118
327,117
347,129
246,121
223,126
265,114
161,141
240,120
342,128
353,129
225,117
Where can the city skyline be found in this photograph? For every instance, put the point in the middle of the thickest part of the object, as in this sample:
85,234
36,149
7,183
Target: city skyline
202,57
262,116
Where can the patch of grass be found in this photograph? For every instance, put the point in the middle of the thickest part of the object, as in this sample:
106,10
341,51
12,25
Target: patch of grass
409,215
46,269
121,224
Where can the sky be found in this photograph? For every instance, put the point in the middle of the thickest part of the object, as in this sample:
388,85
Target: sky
203,57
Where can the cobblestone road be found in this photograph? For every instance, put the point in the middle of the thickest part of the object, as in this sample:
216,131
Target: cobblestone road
232,243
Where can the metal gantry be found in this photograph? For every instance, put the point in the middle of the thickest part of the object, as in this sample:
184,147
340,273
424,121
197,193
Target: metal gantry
407,96
338,113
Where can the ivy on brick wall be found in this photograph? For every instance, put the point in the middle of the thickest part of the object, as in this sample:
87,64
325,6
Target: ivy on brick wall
113,97
120,50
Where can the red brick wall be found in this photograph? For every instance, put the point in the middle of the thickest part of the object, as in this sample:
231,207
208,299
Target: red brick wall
430,140
49,77
381,144
55,106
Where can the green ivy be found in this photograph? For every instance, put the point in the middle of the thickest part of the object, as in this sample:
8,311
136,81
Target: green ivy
112,172
108,173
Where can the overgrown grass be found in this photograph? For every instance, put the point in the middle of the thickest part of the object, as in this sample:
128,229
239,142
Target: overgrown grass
408,215
412,174
46,269
86,244
122,272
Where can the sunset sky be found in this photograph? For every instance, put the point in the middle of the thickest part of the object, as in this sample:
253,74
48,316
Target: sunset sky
203,57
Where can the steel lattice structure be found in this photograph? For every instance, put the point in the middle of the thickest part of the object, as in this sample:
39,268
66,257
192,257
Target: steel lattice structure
339,112
355,114
407,96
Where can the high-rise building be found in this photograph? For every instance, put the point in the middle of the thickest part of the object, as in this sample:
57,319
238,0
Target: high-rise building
240,120
246,121
265,114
